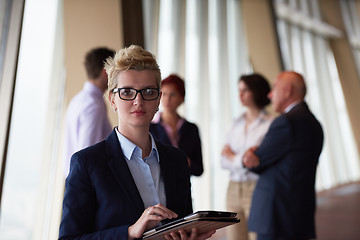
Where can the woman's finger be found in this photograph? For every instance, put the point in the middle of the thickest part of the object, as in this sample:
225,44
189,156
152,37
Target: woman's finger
194,234
175,236
160,210
183,235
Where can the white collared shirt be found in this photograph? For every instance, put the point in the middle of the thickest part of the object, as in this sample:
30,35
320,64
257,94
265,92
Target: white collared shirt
145,172
240,140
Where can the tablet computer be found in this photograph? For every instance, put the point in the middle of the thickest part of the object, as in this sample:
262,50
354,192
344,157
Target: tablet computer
210,214
203,220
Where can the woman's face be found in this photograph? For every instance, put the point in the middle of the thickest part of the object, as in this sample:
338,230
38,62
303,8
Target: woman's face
245,95
171,98
137,112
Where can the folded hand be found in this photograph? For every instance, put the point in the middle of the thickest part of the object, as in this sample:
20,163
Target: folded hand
250,159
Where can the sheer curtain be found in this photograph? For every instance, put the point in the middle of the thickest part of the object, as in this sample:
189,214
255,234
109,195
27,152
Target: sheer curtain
203,42
305,48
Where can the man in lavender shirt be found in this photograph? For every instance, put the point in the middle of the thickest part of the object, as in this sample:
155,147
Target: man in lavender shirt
86,118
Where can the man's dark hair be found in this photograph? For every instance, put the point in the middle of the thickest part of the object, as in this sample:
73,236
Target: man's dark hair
259,87
94,61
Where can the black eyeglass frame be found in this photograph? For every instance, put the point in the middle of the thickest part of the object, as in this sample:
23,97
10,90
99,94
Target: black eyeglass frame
117,90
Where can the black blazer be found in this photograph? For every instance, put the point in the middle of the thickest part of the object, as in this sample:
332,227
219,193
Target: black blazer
284,201
101,198
189,142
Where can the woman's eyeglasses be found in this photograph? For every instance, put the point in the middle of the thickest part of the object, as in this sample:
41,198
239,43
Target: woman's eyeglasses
129,94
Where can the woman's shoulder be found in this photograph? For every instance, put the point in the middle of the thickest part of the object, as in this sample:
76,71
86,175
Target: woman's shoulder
91,158
189,124
266,116
93,151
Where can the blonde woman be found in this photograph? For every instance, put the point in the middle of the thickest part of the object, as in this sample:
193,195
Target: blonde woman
128,183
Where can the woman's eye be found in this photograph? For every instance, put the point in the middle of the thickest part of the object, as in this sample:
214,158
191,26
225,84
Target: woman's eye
126,92
148,92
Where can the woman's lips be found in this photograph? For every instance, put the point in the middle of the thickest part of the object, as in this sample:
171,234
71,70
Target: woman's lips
138,112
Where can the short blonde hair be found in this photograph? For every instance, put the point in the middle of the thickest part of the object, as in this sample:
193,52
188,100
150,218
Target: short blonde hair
134,58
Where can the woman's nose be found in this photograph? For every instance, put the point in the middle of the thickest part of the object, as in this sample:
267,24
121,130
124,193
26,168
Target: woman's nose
138,99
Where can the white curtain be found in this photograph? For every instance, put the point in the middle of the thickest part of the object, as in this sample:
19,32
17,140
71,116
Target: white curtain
202,41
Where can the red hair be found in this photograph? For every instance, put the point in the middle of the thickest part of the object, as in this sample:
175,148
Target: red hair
177,81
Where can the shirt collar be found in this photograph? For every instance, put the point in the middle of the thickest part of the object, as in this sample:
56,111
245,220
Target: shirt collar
259,118
129,148
291,106
157,119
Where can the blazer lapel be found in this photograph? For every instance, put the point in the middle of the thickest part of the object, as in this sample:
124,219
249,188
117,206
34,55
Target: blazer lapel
120,169
169,176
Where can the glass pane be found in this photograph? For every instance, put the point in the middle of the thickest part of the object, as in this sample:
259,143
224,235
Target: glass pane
4,18
31,160
309,53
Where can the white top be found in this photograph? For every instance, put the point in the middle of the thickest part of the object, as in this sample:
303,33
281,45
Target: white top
145,172
87,122
240,140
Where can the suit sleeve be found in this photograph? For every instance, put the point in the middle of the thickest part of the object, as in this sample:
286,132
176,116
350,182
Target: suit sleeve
79,207
276,144
196,166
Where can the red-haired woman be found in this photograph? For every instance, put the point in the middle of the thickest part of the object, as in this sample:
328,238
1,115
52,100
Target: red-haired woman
172,129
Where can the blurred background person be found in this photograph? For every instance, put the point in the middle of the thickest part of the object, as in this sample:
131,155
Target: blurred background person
248,130
170,128
284,200
86,117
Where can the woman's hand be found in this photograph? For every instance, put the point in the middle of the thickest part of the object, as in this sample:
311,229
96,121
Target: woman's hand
149,219
181,235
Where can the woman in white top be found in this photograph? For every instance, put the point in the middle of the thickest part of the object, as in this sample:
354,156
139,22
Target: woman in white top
247,131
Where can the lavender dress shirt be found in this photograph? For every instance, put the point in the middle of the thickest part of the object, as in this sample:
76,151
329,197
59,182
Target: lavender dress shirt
86,122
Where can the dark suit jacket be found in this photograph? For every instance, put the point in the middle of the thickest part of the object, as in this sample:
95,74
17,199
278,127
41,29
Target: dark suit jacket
101,198
284,198
189,142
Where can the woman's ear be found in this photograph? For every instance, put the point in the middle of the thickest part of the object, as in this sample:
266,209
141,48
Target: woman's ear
111,100
159,98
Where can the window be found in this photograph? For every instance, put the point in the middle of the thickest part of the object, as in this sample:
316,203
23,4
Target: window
305,48
351,19
29,192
